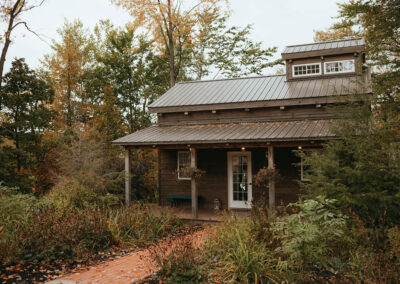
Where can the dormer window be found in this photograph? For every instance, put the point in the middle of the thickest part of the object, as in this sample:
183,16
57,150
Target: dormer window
343,66
306,69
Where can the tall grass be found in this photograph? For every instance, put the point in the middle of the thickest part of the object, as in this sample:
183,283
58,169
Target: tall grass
237,256
41,230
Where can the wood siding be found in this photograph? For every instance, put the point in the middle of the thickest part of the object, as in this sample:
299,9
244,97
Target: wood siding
241,115
213,184
357,61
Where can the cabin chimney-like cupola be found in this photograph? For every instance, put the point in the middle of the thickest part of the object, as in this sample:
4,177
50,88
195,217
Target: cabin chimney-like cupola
324,59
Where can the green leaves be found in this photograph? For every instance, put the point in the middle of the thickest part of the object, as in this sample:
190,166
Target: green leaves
26,101
228,52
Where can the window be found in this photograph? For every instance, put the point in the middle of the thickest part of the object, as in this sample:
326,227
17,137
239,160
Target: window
307,69
343,66
183,163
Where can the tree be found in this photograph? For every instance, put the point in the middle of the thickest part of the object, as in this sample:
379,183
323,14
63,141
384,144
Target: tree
335,33
127,64
10,13
67,69
360,169
226,51
379,22
172,26
27,101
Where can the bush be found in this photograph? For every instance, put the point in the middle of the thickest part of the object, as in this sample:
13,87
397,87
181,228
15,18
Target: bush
315,241
72,193
180,261
47,230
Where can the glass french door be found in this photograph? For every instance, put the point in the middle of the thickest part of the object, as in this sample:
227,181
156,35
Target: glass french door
239,179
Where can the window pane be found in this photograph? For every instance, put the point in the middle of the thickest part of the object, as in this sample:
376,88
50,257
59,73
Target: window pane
306,69
340,66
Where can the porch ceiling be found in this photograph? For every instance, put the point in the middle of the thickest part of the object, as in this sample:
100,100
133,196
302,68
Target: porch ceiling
304,130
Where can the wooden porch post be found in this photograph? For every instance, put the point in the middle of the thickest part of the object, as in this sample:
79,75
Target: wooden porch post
271,166
127,176
193,164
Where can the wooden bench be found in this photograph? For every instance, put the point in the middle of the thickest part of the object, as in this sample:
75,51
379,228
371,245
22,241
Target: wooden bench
175,197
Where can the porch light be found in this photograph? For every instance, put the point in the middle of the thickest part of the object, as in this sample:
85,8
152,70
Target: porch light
299,147
243,148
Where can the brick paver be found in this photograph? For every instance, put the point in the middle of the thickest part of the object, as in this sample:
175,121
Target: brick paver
126,269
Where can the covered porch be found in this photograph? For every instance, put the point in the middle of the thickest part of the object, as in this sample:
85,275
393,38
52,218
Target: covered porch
230,155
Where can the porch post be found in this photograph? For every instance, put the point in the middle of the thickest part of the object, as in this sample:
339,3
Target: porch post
193,164
271,167
127,176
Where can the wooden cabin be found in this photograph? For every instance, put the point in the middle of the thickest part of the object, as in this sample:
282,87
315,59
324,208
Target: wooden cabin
231,128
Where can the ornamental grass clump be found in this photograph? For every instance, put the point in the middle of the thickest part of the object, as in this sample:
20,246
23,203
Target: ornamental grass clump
140,226
235,255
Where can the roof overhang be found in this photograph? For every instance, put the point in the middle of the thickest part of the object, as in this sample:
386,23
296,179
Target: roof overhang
256,104
324,52
229,134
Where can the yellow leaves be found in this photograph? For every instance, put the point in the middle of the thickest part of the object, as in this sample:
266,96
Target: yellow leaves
169,18
333,34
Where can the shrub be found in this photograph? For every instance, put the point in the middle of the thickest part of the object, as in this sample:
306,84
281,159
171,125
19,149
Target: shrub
180,261
315,241
371,265
47,230
71,193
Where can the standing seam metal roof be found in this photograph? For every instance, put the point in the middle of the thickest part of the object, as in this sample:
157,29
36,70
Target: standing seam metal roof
254,89
343,43
230,132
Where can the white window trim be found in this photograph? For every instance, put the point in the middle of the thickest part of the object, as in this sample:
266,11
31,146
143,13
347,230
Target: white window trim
306,64
177,164
339,72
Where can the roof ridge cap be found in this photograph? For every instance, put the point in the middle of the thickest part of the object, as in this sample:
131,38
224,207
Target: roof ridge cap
229,79
328,41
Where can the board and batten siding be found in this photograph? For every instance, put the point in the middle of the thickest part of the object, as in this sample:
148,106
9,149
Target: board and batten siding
242,115
357,61
213,184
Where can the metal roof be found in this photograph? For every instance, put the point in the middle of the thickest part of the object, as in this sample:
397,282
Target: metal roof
344,43
253,89
229,133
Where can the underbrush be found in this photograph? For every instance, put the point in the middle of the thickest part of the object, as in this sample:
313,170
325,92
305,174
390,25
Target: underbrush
315,243
49,229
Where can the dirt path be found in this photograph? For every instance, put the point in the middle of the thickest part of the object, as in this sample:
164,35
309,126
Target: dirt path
126,269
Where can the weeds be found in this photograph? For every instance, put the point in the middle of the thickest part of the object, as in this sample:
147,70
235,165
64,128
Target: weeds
181,261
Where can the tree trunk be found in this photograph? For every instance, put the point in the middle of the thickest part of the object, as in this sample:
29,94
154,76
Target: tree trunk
69,95
7,42
170,34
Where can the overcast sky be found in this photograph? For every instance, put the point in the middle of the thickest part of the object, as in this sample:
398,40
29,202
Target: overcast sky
275,22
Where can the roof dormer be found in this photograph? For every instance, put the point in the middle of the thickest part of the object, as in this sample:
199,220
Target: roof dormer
324,59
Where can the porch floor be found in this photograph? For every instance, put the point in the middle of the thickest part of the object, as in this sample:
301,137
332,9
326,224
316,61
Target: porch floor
205,215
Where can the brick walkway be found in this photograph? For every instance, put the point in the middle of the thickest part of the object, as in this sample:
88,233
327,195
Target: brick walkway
126,269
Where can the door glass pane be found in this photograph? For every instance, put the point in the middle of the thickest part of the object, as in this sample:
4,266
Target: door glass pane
239,173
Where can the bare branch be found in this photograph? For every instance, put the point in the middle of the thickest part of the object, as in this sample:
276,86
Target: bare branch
33,6
30,30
